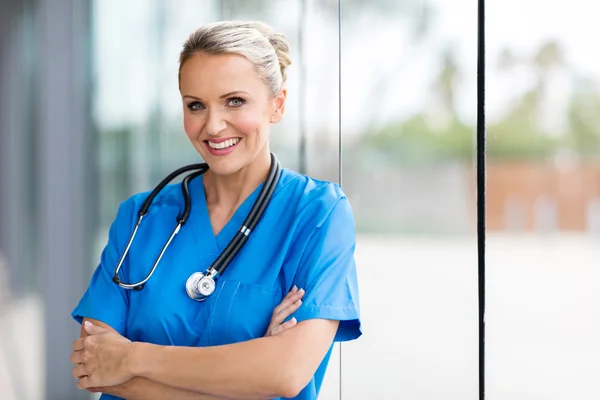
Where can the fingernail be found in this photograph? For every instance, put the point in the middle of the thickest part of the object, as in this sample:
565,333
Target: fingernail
295,289
293,320
87,323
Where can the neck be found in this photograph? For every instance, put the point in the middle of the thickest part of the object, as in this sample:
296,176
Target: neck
231,190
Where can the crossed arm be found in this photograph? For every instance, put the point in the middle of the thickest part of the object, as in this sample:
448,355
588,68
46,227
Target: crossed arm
278,365
138,388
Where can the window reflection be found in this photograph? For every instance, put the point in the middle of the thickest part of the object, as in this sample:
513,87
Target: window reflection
137,104
408,124
408,128
307,139
284,17
543,177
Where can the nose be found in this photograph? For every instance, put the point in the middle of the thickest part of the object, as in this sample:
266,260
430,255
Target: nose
215,123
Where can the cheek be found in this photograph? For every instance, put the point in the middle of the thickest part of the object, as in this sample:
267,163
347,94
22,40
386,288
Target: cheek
248,124
192,125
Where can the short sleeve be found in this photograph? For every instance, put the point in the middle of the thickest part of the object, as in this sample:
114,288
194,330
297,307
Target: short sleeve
104,300
327,273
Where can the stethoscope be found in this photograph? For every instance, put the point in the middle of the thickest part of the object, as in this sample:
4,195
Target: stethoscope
200,285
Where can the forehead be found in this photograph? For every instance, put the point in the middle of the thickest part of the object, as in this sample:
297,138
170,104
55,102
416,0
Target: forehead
206,74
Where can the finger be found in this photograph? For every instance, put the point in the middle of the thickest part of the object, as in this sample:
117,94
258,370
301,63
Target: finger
277,320
92,329
291,298
288,306
78,345
288,325
286,312
287,299
80,371
283,327
77,357
292,292
84,383
294,297
274,330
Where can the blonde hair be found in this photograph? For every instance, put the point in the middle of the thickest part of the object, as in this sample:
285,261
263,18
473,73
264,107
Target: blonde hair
254,40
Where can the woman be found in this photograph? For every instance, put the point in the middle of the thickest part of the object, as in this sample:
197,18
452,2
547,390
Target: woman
157,342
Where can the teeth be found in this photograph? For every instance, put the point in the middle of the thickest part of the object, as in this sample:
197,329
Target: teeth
223,145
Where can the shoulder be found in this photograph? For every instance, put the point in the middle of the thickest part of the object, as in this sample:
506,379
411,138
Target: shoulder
313,199
169,195
129,208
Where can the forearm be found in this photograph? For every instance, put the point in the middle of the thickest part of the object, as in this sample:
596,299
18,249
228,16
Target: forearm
146,389
257,369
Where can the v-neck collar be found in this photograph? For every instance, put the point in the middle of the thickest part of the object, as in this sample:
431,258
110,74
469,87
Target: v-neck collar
202,227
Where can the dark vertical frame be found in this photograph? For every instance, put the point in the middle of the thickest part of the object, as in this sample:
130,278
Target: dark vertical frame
481,188
339,15
63,178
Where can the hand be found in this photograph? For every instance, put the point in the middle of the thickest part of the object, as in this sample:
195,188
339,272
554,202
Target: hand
102,359
291,302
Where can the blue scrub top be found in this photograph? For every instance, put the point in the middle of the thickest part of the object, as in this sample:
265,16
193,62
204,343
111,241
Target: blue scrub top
306,237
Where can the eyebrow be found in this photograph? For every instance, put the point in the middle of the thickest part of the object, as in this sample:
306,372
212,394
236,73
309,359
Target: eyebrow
221,97
232,93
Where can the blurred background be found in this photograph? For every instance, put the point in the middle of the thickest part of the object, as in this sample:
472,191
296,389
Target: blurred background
90,113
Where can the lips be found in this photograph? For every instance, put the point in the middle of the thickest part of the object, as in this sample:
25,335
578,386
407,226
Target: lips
221,147
223,144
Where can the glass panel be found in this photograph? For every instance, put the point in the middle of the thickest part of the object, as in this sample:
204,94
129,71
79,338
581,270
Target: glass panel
141,136
21,318
321,103
283,17
543,206
409,118
307,140
137,103
319,114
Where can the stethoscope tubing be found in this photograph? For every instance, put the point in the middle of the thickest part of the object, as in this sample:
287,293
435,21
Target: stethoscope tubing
234,246
203,167
240,238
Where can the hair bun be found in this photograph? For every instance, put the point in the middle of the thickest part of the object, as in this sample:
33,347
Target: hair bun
279,43
282,48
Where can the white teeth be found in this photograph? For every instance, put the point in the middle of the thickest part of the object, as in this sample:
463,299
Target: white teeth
223,145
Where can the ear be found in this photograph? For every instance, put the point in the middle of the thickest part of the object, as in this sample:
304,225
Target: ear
279,106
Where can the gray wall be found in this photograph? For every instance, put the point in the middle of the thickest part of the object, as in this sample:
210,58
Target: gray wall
45,142
11,144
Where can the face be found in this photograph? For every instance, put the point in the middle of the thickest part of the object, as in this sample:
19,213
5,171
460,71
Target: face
227,110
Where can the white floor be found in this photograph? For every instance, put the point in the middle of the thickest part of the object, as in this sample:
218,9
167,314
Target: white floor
419,305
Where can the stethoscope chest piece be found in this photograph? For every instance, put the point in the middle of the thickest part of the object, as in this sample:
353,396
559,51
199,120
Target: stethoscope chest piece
199,286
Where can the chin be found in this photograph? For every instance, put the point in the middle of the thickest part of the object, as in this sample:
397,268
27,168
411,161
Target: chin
224,166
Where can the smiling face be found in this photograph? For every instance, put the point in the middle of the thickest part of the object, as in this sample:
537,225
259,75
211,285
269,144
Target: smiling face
227,110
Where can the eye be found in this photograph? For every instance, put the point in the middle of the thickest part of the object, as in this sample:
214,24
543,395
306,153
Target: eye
236,102
195,106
